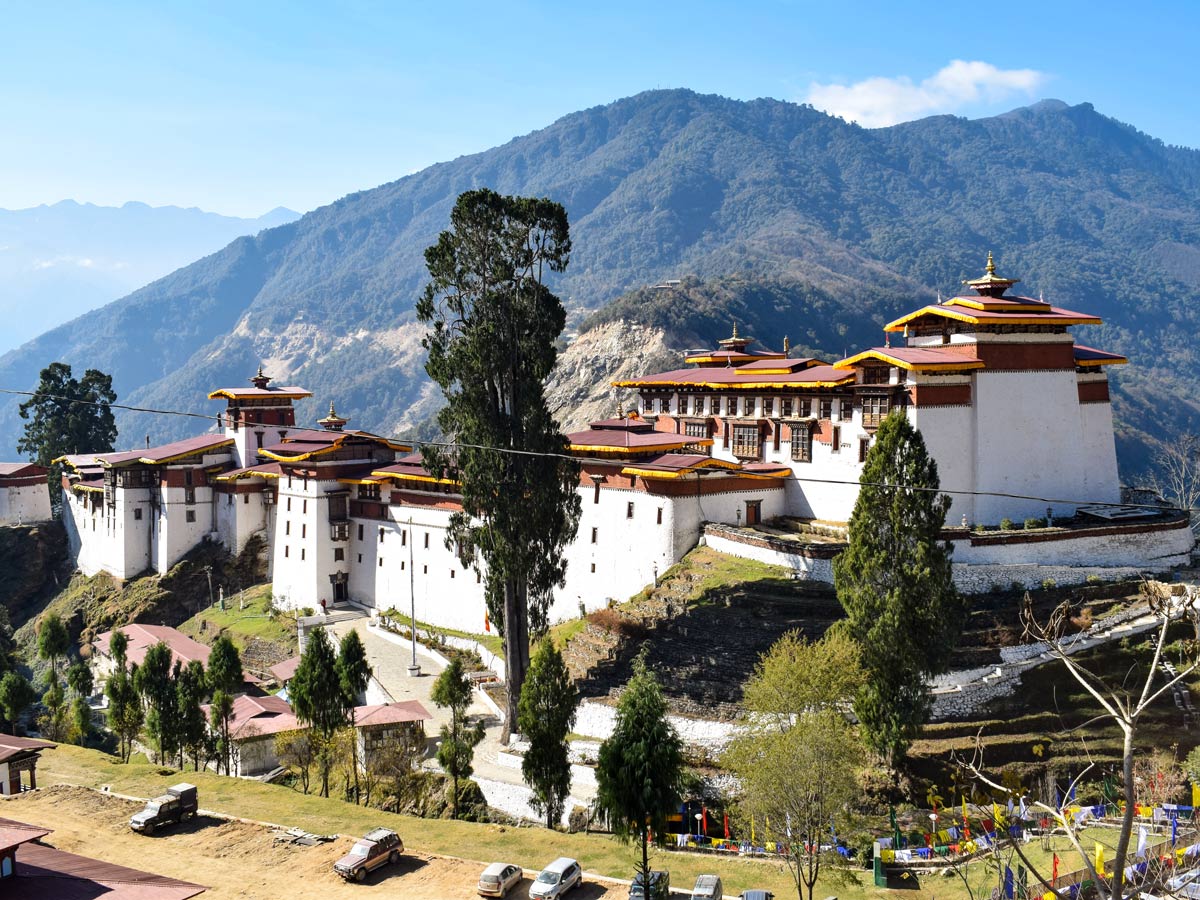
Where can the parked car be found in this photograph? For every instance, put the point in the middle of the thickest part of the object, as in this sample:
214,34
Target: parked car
556,879
660,887
757,895
498,878
369,853
177,804
708,887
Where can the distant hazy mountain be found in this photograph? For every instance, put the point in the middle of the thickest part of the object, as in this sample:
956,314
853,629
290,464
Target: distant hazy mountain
58,262
808,225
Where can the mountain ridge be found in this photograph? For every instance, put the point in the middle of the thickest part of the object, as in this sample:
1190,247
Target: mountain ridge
667,183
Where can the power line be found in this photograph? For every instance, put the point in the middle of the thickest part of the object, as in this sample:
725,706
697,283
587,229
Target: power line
514,451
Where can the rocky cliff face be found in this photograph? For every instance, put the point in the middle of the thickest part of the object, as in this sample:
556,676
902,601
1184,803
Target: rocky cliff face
33,564
581,391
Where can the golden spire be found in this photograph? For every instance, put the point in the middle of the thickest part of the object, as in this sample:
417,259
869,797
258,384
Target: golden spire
332,422
735,334
787,345
332,411
991,264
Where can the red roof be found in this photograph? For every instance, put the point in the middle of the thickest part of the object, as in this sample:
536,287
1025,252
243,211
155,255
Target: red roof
13,834
805,362
1092,355
239,393
164,453
740,376
390,714
256,716
618,439
21,470
286,669
11,746
143,637
44,873
263,470
917,357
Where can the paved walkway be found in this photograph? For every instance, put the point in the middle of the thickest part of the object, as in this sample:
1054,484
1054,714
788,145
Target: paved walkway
390,656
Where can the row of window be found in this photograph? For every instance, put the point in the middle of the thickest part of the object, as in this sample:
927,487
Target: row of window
732,405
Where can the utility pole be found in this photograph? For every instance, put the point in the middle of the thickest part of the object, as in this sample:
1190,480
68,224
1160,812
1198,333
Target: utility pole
414,670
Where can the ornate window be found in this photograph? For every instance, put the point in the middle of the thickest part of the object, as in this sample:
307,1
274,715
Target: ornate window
785,407
875,410
805,407
746,441
697,430
846,409
826,408
801,444
768,406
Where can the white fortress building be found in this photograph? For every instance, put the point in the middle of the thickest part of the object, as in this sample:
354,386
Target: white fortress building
1015,413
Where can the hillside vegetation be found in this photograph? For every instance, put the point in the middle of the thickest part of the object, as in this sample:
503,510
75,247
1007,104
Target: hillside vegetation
833,222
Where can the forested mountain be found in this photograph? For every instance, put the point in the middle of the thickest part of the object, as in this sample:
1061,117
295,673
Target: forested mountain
811,226
61,260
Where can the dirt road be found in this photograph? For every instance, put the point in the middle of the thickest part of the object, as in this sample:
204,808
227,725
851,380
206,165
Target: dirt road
239,860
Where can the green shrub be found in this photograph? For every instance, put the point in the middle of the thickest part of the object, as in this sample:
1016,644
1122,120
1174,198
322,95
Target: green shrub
1049,584
1006,524
1095,579
1034,523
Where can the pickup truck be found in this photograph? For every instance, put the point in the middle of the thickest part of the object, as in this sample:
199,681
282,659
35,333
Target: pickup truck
177,804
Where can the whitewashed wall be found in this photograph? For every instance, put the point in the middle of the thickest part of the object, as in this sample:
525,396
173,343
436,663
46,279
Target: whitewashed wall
25,504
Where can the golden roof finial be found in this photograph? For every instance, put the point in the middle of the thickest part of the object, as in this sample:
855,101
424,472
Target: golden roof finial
332,411
787,345
260,370
991,264
735,334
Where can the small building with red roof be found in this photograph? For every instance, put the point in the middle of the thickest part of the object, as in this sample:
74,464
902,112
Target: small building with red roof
18,762
33,870
24,494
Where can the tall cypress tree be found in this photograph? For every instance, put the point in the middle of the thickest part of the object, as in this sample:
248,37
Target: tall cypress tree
317,697
639,775
548,704
354,674
491,347
894,582
155,681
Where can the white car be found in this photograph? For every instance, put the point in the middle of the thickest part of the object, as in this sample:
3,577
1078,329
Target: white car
556,879
498,878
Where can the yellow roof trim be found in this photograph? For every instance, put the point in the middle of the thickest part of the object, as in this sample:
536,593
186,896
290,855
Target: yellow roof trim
88,487
972,303
724,357
234,394
240,475
911,367
659,448
748,385
945,312
405,476
1095,363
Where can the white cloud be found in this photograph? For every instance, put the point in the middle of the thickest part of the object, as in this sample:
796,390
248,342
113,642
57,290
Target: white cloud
879,101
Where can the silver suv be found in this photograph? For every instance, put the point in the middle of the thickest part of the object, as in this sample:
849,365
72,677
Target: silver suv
556,879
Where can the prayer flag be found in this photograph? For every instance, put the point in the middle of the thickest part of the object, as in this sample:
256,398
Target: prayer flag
704,820
1023,809
1054,871
1099,858
752,829
1008,883
1174,829
1141,847
1195,795
726,826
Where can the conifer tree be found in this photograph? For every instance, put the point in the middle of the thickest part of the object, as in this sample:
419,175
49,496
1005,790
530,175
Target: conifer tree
67,415
547,715
53,641
894,582
125,713
639,775
494,324
455,752
191,688
155,682
16,696
224,669
318,699
354,674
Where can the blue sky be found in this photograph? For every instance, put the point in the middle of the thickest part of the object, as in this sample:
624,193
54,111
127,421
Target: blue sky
238,108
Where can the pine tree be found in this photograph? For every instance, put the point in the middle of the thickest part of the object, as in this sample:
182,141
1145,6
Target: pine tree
491,347
548,704
354,674
455,753
223,675
53,641
191,688
155,683
16,696
639,775
894,582
317,697
125,712
67,415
